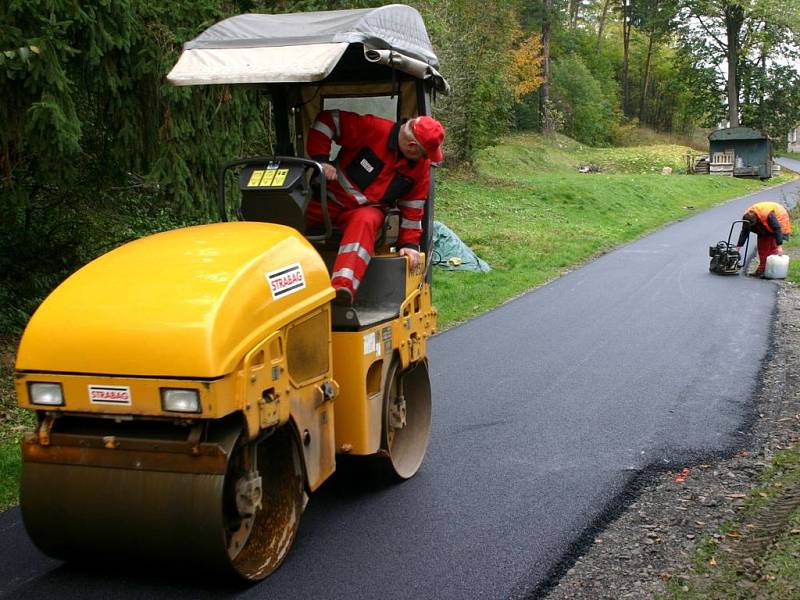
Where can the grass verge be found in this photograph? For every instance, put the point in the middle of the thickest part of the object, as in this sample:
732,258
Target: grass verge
13,422
792,247
10,463
793,155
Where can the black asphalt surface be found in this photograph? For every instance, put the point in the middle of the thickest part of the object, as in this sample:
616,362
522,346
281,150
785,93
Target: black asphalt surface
546,410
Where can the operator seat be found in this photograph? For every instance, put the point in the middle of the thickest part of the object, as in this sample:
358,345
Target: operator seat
272,193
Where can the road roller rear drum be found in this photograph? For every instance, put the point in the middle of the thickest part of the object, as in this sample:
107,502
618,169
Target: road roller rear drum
406,418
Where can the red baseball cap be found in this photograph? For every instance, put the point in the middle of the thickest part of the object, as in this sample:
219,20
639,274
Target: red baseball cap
430,134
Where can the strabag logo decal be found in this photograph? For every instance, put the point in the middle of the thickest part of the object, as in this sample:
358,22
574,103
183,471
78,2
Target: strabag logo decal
110,394
285,281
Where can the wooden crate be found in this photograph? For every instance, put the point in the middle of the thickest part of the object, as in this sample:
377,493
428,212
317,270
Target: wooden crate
722,163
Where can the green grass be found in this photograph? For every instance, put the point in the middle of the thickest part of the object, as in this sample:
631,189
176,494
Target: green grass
794,155
526,155
13,422
792,248
10,463
527,211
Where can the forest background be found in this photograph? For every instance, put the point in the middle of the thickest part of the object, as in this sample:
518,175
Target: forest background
97,149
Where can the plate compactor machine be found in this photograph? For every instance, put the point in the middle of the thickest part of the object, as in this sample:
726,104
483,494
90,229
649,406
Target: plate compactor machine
193,387
725,258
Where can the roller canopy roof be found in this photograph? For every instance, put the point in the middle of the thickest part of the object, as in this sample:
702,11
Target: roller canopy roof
300,47
394,27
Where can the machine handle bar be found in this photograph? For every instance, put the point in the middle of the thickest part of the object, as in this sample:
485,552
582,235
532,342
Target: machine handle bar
746,244
323,198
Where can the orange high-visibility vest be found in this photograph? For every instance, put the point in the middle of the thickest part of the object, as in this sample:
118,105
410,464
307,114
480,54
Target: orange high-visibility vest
762,210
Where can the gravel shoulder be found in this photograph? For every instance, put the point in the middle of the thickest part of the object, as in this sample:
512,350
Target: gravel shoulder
670,517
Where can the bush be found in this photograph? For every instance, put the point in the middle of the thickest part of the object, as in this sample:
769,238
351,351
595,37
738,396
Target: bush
93,138
473,46
588,115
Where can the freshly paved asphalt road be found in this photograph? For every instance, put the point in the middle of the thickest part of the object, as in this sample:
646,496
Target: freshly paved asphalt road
546,409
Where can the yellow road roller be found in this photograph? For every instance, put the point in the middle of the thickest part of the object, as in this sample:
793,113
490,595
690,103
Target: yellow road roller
194,386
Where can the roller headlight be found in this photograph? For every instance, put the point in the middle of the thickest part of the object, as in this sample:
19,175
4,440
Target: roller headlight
46,394
178,400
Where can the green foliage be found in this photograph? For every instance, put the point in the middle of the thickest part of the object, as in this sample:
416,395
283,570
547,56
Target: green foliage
588,113
685,93
91,128
761,35
628,134
775,99
604,59
473,46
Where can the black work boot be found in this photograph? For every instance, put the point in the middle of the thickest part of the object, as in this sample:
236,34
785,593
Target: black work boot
344,297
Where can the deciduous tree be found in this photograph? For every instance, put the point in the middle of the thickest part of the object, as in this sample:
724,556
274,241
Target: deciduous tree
730,30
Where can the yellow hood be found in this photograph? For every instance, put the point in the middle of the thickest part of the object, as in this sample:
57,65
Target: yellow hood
184,303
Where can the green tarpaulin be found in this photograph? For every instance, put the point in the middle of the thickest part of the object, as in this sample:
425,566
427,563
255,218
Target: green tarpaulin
451,254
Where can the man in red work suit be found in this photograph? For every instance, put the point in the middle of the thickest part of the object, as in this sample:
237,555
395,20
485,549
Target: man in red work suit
381,164
771,223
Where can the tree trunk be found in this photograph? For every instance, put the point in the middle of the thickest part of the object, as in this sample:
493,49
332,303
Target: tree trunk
602,23
626,39
763,65
646,78
734,18
544,90
573,13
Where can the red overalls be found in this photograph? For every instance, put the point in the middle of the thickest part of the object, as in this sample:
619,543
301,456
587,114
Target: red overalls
371,175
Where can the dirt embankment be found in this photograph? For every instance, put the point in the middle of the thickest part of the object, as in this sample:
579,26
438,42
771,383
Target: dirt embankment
678,516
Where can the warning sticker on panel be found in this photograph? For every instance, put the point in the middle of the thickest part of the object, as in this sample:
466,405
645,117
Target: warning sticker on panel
255,178
285,281
110,394
369,343
269,175
280,177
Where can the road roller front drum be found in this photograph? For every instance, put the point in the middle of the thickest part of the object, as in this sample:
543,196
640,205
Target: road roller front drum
241,519
406,418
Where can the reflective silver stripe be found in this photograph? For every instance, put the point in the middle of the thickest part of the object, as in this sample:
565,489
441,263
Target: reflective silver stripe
357,248
348,187
408,224
412,203
335,115
347,274
332,198
323,129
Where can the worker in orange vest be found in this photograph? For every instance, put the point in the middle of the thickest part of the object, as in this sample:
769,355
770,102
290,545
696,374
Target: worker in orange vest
771,223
